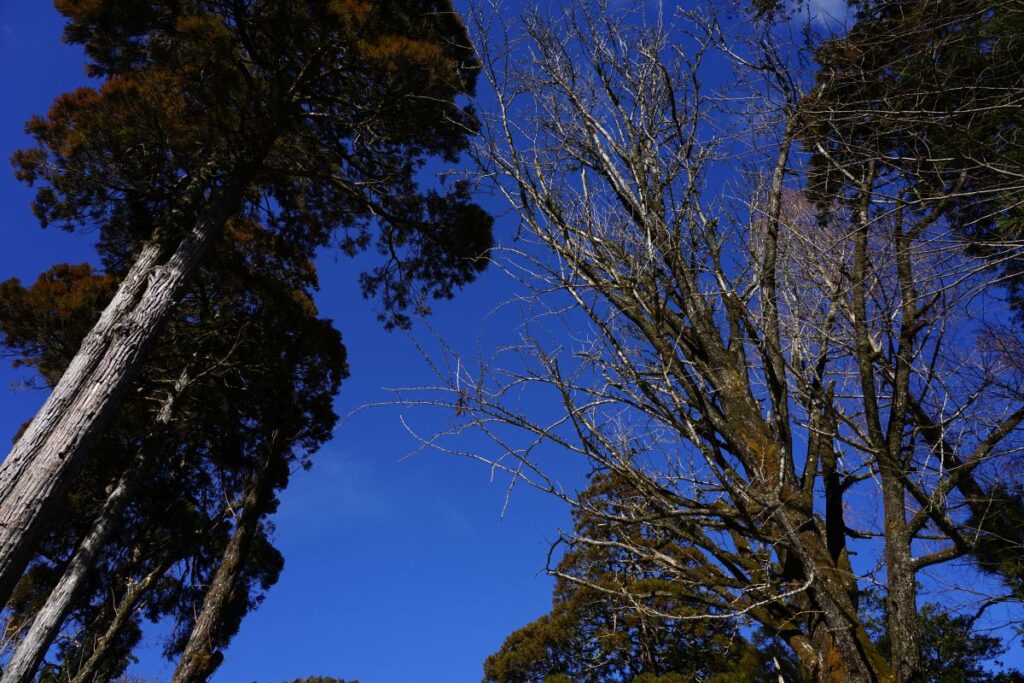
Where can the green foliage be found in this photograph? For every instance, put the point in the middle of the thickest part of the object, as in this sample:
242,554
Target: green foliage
953,652
929,93
1000,536
605,623
952,649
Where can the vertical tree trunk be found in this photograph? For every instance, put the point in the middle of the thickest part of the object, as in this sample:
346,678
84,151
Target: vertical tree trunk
34,476
901,589
200,657
901,596
901,586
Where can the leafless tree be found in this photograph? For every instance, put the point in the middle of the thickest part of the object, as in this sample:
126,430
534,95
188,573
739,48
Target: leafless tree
786,385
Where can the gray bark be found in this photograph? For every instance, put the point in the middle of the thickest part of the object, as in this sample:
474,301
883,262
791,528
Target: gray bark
47,622
80,368
39,468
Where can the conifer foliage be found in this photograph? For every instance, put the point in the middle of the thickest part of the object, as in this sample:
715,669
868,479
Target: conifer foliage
929,92
306,117
595,633
226,142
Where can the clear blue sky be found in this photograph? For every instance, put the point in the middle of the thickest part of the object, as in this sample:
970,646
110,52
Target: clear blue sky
395,570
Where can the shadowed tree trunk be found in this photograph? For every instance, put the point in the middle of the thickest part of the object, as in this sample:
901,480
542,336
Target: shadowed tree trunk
133,597
201,656
125,609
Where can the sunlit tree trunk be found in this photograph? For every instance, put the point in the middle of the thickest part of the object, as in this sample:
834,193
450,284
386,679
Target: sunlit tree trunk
47,621
39,468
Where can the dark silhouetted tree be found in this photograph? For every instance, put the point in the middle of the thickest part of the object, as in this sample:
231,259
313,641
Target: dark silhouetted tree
310,117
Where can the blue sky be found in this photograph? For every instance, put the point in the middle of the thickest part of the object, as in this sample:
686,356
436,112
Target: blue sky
396,570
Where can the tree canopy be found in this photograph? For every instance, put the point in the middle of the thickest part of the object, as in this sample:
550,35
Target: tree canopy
595,631
322,112
231,131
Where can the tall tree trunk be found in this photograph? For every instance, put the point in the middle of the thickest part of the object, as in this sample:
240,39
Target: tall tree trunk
200,657
901,585
843,650
48,620
887,442
901,578
36,474
80,368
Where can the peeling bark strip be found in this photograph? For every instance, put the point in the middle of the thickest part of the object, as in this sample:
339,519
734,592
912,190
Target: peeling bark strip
34,475
200,657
